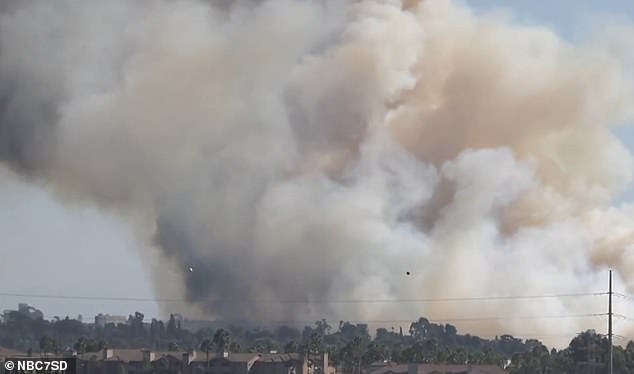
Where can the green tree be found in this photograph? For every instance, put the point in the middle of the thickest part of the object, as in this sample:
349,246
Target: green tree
396,354
351,356
322,327
93,345
291,347
221,340
457,356
420,329
49,345
173,347
375,353
81,345
173,327
234,347
284,334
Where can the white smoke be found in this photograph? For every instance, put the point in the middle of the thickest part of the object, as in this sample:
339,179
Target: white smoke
316,151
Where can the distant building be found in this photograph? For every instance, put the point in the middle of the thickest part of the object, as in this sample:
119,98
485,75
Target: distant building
101,320
23,310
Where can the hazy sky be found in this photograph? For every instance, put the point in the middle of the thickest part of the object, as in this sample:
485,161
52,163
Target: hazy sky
62,250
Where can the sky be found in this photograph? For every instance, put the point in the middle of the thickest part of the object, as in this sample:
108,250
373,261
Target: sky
79,251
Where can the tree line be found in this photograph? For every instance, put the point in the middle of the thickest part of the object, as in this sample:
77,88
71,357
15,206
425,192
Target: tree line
350,346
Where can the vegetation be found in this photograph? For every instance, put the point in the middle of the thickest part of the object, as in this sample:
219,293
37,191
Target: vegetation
350,346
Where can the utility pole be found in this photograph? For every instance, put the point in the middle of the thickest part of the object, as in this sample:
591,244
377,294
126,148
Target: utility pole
610,323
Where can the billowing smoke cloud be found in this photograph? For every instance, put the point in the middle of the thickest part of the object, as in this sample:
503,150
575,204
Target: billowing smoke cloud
315,151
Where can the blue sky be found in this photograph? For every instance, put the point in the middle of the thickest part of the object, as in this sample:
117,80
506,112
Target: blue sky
568,17
571,20
74,250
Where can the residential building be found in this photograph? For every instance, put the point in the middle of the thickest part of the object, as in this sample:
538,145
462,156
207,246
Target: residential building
8,352
101,320
434,369
135,361
131,361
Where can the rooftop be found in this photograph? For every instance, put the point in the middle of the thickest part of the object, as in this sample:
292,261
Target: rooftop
438,369
7,352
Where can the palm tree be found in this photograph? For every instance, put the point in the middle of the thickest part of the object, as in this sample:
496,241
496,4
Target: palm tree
206,346
322,327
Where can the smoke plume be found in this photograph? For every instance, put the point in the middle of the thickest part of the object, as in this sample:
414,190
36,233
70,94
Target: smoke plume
301,156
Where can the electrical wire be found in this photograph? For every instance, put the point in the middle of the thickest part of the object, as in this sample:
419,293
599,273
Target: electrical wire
323,301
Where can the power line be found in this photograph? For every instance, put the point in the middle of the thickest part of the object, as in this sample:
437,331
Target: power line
93,298
624,296
386,321
409,321
623,316
322,301
508,318
484,319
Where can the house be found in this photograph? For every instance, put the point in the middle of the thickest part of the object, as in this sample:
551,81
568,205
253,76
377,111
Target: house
135,361
130,361
435,369
9,353
290,363
223,363
258,363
